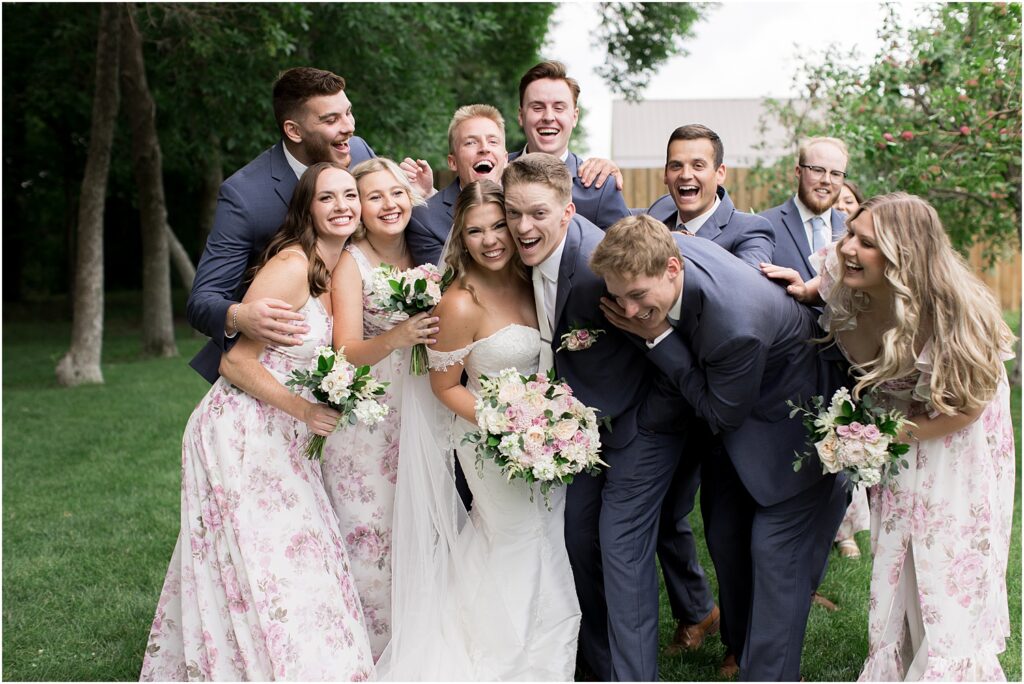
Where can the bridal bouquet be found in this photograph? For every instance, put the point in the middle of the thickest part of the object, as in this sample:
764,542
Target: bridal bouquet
410,292
345,388
535,430
858,439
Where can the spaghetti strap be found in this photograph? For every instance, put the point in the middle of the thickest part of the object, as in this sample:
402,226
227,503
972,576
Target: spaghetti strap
296,251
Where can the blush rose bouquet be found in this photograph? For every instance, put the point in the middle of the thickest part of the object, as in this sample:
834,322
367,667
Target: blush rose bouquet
858,438
535,430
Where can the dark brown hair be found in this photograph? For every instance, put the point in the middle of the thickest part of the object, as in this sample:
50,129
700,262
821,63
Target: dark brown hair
548,69
296,85
298,229
698,132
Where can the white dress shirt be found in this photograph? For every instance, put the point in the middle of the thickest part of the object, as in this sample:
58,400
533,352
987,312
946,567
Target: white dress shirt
549,270
298,167
805,217
674,314
694,224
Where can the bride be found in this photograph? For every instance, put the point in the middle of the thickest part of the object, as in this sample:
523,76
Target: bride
486,595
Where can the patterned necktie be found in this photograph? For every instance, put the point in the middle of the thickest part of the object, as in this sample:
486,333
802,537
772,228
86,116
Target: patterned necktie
820,233
547,357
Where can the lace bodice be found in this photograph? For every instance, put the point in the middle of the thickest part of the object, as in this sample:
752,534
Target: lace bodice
514,346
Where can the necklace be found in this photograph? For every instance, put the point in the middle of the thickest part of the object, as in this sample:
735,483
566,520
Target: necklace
403,250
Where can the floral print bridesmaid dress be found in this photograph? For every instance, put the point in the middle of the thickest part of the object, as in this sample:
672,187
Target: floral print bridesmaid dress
259,586
940,536
360,468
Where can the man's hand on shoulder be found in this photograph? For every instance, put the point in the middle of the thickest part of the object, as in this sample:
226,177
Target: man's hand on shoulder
267,321
599,169
420,175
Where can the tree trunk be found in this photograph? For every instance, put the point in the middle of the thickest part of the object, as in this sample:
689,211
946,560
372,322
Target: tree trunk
212,179
181,260
82,362
157,313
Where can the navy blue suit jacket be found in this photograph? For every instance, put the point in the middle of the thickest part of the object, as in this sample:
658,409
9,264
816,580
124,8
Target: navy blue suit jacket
251,207
737,359
601,206
430,224
791,248
611,375
748,237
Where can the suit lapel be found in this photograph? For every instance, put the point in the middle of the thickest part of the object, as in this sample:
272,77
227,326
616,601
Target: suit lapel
567,268
449,195
691,309
284,178
713,227
838,224
791,218
572,163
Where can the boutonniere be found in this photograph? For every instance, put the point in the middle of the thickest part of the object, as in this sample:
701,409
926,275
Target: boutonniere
579,338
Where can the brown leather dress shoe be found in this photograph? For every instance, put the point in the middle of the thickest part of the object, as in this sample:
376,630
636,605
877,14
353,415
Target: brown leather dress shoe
825,603
690,637
729,666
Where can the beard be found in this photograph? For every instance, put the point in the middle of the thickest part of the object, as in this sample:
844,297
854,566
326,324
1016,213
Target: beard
815,203
320,150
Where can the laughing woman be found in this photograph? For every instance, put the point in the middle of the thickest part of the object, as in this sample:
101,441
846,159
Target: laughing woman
923,331
361,464
259,586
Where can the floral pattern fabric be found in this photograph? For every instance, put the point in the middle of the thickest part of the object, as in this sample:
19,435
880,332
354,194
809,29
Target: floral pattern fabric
858,516
940,535
360,468
259,586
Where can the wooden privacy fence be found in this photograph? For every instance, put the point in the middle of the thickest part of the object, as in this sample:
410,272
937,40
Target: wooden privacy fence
643,186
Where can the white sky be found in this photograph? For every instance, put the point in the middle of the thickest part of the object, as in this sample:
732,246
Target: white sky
742,49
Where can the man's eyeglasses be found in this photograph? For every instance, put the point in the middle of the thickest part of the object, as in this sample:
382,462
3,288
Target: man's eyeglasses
817,172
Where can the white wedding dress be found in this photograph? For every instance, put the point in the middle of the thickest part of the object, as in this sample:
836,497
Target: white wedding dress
487,596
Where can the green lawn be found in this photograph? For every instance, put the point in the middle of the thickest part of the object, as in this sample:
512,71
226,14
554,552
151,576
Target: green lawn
90,514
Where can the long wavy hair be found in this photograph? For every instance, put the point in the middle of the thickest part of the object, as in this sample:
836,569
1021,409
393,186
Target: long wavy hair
298,229
475,194
932,288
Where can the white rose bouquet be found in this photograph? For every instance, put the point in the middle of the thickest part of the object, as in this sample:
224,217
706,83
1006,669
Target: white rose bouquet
859,440
345,388
535,430
410,292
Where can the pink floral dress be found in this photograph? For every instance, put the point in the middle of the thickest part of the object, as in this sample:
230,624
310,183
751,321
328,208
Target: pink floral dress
940,535
259,586
360,467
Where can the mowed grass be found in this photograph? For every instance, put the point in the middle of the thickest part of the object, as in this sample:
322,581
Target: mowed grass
91,505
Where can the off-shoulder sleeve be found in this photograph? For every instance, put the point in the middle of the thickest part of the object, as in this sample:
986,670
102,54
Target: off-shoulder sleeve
826,262
442,361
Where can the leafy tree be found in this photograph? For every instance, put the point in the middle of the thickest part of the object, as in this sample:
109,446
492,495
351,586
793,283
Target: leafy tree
937,114
641,36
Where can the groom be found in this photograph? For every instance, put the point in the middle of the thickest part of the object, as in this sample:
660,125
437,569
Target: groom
611,520
736,360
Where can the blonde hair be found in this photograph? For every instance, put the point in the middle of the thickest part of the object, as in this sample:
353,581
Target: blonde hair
538,167
635,246
807,143
374,165
931,284
473,111
475,194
